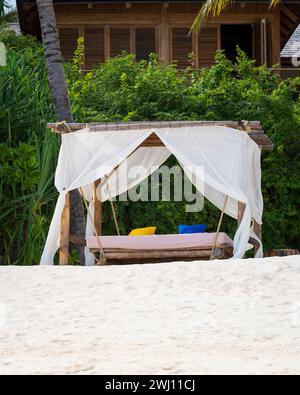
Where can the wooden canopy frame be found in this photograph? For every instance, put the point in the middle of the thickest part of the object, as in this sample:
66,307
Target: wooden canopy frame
254,130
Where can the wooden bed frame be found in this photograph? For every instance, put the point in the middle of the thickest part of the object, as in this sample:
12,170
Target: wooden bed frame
119,257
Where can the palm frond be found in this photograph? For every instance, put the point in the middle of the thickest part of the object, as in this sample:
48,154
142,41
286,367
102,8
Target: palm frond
215,8
210,7
275,2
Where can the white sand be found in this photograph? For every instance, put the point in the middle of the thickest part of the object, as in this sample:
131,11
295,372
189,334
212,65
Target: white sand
241,318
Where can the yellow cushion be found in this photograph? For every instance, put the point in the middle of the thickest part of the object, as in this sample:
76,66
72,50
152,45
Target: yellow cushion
143,231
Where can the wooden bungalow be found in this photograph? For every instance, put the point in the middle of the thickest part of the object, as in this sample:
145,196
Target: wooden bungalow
142,27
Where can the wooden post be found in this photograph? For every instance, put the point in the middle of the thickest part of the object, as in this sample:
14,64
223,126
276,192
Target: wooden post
196,50
241,212
276,36
132,41
258,231
65,233
106,43
165,35
98,215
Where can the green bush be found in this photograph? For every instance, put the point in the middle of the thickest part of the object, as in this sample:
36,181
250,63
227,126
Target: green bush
127,91
27,152
122,90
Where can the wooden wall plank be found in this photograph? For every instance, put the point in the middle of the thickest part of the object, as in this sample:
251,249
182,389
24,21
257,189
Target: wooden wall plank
208,45
122,21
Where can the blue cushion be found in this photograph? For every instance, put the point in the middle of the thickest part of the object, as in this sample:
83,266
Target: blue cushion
185,229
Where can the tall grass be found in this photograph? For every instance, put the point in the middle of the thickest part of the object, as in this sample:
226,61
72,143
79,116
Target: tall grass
27,161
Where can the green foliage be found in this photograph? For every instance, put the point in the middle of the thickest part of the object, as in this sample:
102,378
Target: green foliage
127,91
122,90
27,152
26,47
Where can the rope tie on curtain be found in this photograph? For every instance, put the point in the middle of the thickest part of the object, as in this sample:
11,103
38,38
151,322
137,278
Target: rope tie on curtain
245,126
61,127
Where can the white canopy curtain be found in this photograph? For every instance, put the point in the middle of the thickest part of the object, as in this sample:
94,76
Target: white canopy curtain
84,158
143,162
232,167
231,162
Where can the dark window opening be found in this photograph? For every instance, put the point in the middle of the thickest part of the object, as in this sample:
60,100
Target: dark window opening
119,41
68,42
93,47
237,35
145,43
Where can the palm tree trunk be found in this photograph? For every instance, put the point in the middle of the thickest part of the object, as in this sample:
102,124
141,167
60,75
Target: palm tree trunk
56,73
57,81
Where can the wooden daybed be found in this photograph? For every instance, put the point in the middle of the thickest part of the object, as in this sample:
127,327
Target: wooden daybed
159,248
162,248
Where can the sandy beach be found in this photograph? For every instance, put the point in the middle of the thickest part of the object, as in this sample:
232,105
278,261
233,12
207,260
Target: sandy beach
229,317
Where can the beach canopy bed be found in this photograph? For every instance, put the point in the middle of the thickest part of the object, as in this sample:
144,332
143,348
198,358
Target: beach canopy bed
222,160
